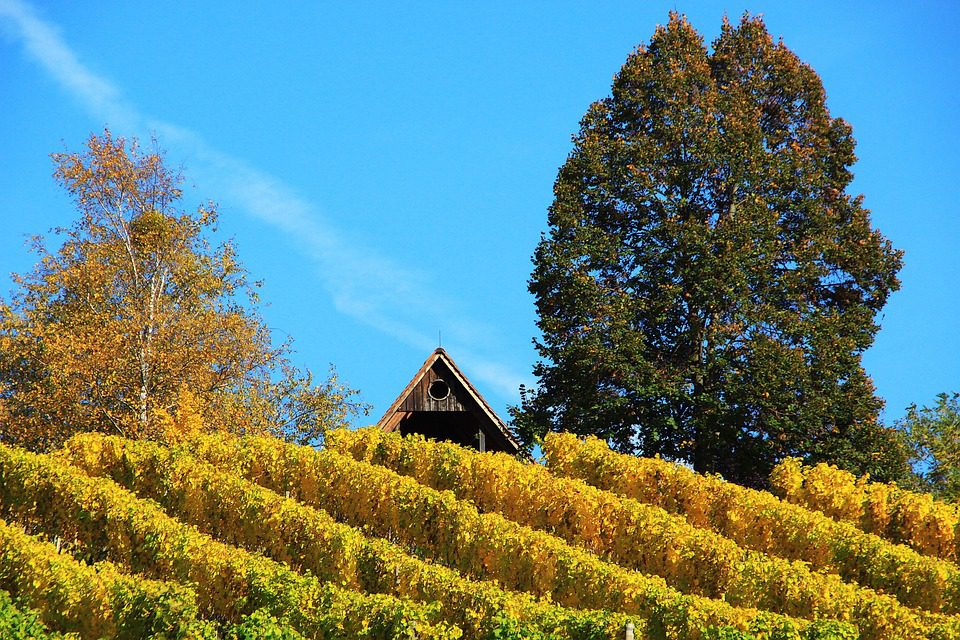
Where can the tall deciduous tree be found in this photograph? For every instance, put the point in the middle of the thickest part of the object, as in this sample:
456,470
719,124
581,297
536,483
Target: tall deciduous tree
138,325
707,285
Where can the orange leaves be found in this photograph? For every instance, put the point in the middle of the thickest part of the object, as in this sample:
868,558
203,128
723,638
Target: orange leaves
137,305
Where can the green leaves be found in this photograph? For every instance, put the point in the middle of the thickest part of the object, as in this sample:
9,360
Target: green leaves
23,624
933,435
707,287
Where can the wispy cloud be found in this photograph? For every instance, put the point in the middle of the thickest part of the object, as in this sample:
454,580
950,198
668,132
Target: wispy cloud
362,283
43,43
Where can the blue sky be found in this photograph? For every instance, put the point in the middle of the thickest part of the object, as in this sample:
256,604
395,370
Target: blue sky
386,168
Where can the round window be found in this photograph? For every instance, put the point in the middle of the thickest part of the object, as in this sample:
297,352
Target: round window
439,390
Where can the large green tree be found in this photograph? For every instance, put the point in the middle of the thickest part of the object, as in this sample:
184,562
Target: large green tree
137,325
707,284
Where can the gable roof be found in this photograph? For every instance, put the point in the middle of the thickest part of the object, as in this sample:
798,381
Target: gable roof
391,419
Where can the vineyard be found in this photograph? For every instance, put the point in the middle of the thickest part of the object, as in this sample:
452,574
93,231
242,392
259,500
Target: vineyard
380,536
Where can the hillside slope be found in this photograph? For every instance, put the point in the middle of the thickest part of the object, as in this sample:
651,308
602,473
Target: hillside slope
380,536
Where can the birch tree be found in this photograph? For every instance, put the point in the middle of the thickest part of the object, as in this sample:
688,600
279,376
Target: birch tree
138,320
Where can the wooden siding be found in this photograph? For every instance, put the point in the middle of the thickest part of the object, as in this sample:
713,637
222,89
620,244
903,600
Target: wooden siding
419,397
460,417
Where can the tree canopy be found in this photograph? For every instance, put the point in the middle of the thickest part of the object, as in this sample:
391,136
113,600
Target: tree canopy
137,325
933,435
707,284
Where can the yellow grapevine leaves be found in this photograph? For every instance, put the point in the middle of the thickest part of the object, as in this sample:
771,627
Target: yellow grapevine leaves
759,520
486,546
638,536
41,491
93,602
481,544
242,513
930,526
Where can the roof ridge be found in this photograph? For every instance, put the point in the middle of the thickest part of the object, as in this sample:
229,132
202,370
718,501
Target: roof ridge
387,424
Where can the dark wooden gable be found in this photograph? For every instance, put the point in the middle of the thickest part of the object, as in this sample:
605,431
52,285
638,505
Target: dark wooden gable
438,390
440,403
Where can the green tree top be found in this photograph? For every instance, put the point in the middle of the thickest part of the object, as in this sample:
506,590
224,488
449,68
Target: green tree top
933,435
707,285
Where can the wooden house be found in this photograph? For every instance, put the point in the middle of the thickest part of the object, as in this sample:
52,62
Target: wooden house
440,403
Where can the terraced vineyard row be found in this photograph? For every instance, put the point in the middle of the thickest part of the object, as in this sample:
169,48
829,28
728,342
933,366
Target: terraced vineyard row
758,520
642,536
930,526
110,523
380,536
244,514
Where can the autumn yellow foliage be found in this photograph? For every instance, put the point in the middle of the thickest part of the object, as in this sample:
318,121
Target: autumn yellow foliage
93,601
138,322
387,537
305,538
484,545
639,536
759,520
43,493
930,526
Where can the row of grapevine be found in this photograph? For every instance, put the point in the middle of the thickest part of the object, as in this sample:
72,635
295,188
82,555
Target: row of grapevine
100,601
930,526
92,602
241,513
759,520
40,491
636,535
488,545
